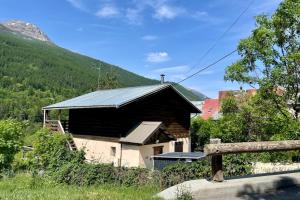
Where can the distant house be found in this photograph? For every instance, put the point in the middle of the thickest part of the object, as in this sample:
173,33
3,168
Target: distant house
126,126
199,105
211,107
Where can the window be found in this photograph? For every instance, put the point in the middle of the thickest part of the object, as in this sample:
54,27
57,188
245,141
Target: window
178,146
157,150
113,151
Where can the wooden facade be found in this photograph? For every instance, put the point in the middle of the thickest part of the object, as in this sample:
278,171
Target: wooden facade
166,106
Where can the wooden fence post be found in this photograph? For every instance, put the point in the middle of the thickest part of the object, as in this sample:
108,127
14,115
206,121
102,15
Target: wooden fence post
217,164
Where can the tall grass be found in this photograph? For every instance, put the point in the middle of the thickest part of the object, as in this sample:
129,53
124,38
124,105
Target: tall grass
25,187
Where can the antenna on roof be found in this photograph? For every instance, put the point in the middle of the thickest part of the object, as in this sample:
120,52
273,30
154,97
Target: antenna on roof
162,78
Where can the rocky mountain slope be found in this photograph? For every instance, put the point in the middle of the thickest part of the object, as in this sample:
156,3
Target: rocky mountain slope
26,29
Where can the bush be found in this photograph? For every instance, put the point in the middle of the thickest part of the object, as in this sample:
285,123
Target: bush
233,165
52,155
51,151
180,172
185,196
134,176
22,162
10,142
85,174
201,131
237,165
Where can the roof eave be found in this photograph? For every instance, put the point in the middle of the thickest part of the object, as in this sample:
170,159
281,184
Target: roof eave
131,143
186,99
78,107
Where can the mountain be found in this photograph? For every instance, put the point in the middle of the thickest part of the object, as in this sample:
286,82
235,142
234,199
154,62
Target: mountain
35,72
26,29
198,94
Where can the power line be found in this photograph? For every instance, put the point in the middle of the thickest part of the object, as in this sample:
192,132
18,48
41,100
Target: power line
208,66
224,33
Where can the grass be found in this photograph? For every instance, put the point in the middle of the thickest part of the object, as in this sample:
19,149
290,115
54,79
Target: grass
25,187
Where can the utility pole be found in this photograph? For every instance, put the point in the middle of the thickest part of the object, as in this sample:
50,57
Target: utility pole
99,68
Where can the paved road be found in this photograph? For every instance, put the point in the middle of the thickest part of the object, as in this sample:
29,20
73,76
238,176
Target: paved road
282,194
271,187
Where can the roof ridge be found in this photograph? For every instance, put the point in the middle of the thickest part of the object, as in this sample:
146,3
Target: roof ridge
164,84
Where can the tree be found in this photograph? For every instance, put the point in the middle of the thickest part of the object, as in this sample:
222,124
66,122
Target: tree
109,80
255,119
10,141
270,56
245,118
201,131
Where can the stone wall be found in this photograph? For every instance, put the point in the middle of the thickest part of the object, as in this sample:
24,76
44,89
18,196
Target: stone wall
259,167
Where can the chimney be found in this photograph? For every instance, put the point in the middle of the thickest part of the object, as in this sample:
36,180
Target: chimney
162,79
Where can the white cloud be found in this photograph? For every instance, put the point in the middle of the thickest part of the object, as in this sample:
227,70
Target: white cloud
175,69
207,18
107,11
133,16
149,37
77,4
167,12
157,57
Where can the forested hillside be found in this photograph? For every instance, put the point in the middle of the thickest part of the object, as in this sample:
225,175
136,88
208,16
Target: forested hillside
35,73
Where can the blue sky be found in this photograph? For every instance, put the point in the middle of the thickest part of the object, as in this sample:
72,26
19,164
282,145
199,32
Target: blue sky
148,37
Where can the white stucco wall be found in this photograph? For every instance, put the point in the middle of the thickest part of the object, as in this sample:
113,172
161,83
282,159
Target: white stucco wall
98,150
130,155
186,144
146,151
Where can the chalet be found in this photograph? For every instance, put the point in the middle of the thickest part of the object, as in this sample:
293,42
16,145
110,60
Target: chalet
126,126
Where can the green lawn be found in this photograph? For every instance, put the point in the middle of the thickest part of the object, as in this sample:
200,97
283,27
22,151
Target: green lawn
24,187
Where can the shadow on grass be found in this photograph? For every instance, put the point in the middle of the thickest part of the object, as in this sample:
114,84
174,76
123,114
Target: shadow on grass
285,189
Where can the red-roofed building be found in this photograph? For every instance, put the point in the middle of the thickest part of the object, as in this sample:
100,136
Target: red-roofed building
211,107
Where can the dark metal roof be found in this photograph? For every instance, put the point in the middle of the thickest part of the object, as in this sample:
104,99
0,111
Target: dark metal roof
141,133
181,155
107,98
112,98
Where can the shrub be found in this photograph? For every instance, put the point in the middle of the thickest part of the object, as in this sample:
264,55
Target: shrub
52,155
201,131
10,141
85,174
233,165
51,151
184,196
183,193
237,165
22,162
134,176
180,172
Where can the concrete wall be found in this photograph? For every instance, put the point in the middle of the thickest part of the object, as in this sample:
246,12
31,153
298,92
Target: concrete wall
130,155
146,151
186,144
98,150
259,167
